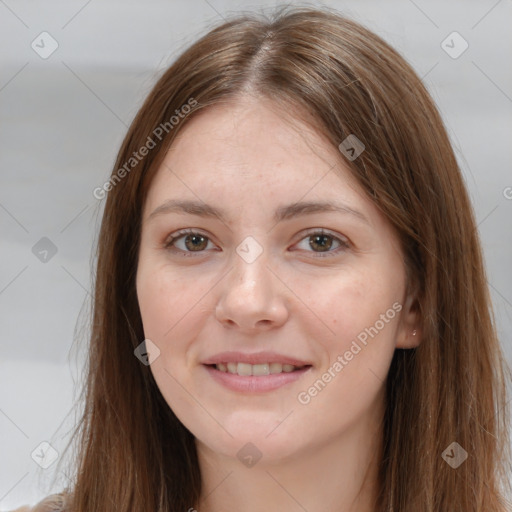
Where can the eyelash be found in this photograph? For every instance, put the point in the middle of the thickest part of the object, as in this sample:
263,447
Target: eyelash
179,234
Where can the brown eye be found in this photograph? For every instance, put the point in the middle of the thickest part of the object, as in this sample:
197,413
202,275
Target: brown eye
190,241
195,242
321,241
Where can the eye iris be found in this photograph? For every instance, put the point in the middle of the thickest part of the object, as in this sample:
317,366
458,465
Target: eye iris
195,247
324,247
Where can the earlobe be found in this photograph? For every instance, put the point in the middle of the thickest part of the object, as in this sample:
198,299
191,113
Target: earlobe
408,339
414,339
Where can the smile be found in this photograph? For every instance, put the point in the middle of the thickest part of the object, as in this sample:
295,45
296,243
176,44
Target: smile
246,377
247,369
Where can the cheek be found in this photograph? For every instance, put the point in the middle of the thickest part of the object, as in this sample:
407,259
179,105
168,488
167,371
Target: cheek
357,353
349,304
163,299
154,303
171,308
362,310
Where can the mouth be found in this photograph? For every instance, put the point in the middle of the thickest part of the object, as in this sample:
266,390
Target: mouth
246,369
261,379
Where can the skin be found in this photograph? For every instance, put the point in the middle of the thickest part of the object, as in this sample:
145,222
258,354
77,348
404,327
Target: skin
248,158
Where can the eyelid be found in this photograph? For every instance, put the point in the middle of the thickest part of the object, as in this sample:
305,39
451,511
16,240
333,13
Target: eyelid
323,231
187,231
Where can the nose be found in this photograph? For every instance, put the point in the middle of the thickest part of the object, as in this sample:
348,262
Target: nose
252,297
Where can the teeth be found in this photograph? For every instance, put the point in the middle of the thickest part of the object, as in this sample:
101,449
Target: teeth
260,369
276,367
246,369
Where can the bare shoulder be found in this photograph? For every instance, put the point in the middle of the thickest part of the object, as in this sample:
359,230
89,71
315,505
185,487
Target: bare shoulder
52,503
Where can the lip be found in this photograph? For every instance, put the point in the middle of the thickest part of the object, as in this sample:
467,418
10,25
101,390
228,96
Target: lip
254,358
255,384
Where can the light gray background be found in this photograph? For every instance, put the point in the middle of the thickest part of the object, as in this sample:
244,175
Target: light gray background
63,118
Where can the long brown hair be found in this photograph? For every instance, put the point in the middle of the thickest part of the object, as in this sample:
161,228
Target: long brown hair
133,453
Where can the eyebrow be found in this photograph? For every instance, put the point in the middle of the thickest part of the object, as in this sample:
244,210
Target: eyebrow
282,213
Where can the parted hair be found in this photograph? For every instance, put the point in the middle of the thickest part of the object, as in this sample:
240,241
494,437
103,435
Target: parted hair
132,453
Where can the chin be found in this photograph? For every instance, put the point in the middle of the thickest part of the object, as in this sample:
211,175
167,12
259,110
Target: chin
252,444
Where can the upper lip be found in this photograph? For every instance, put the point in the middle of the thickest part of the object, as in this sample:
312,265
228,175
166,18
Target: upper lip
254,358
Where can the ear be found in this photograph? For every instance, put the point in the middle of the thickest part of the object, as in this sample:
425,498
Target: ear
410,322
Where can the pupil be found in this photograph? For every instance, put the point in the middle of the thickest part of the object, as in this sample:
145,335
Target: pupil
195,238
324,246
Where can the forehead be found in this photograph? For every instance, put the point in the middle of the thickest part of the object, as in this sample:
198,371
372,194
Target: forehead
251,147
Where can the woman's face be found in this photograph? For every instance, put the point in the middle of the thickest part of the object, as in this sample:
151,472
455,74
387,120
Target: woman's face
317,288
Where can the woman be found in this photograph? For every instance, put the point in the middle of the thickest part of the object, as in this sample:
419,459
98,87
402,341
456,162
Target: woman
325,345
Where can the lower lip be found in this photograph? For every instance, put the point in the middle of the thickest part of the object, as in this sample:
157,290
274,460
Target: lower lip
254,384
